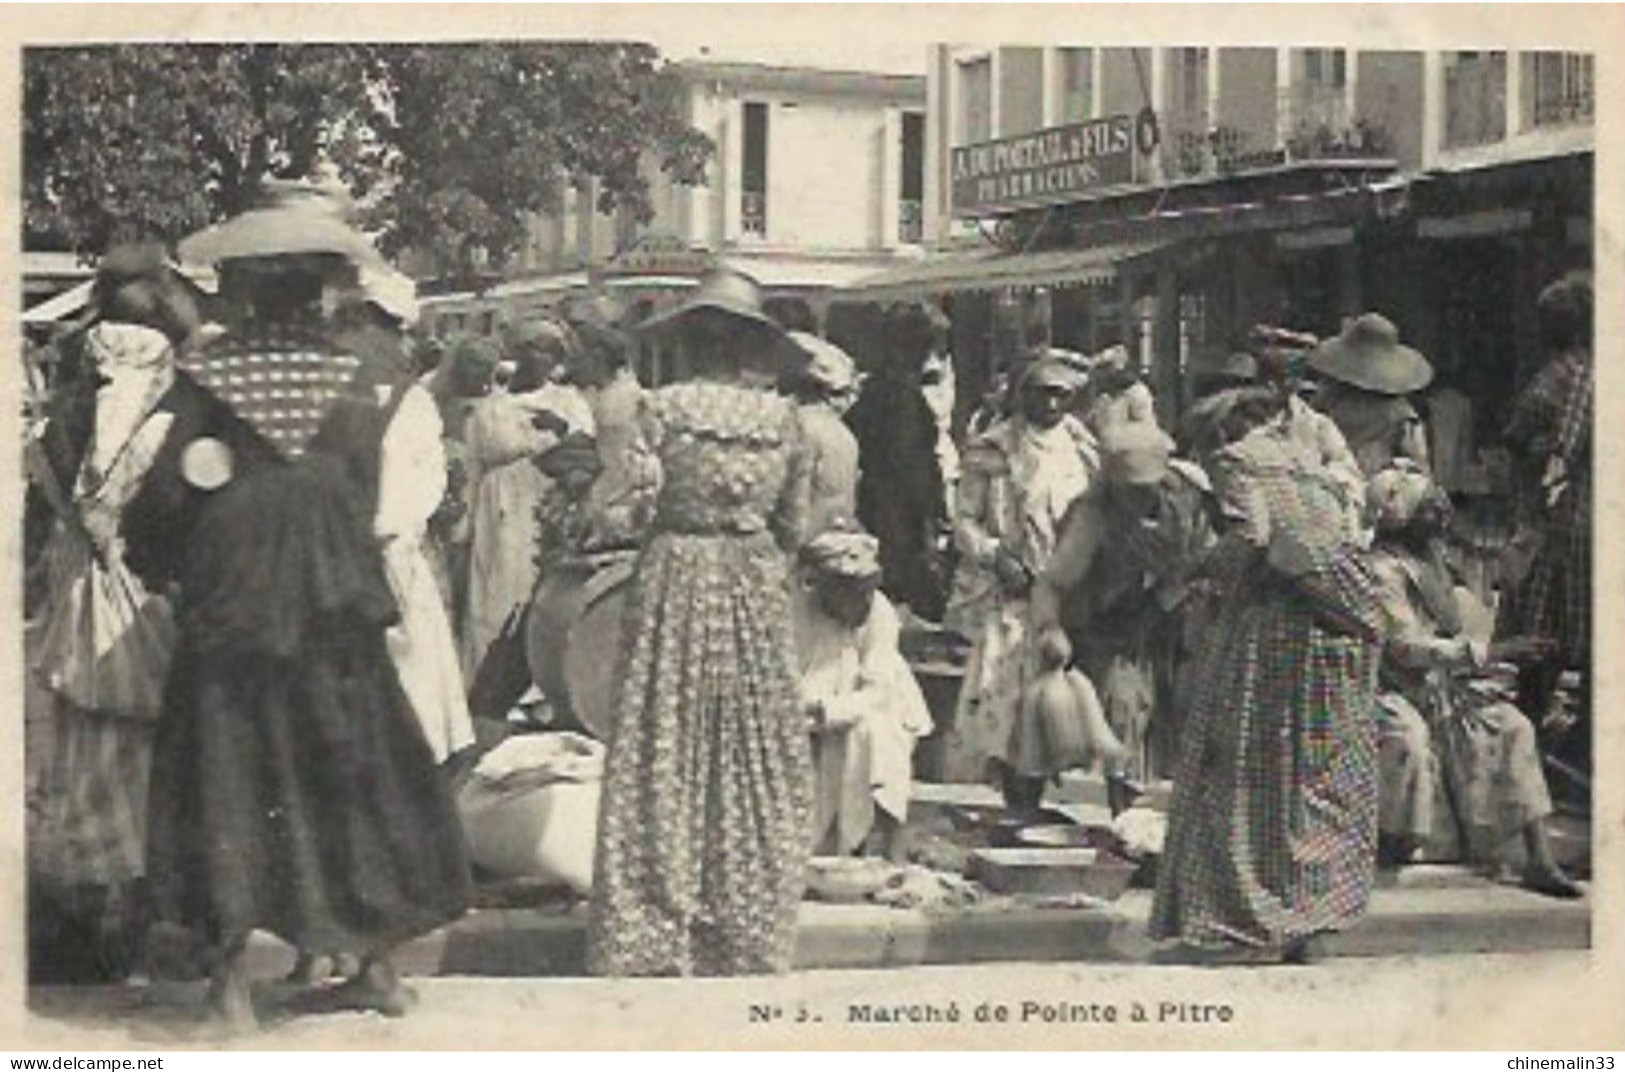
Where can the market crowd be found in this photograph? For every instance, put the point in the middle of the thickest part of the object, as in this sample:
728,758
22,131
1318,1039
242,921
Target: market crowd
283,549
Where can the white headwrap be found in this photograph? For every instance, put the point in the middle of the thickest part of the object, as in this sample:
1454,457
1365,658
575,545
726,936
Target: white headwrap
136,362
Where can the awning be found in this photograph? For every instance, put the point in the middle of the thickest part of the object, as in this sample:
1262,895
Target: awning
59,308
994,270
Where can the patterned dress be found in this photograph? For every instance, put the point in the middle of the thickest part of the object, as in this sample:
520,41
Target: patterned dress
1551,429
1019,482
705,820
1440,712
105,641
1273,823
1130,608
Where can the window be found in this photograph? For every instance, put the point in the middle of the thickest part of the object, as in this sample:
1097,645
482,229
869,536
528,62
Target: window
1191,71
1077,84
911,192
1475,98
976,100
753,184
1559,88
1326,67
1319,101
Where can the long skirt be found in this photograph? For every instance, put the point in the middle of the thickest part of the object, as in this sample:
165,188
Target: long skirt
1002,664
424,652
292,788
705,821
1273,823
1493,786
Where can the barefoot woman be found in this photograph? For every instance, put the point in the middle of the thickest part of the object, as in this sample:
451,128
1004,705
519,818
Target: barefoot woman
294,790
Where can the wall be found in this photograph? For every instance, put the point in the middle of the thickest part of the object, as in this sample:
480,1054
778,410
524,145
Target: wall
1020,93
823,167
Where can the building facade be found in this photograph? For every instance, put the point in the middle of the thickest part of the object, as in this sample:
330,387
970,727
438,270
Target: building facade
1171,198
818,180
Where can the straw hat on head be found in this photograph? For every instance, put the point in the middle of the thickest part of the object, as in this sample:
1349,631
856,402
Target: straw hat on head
724,290
1368,355
290,218
824,363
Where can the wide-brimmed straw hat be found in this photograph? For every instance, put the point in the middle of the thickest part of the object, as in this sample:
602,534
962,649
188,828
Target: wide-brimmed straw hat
724,290
291,218
1368,355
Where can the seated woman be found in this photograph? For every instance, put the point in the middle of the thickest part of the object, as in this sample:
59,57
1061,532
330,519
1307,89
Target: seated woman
865,707
1438,708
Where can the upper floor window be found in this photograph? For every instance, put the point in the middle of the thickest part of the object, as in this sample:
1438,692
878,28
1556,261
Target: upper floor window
1326,67
753,170
1075,91
1190,80
1475,98
976,100
911,191
1559,88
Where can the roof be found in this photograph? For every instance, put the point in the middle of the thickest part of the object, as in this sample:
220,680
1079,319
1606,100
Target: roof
988,269
810,80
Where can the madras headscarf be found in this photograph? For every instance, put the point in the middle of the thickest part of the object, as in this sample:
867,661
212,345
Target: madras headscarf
1395,494
843,552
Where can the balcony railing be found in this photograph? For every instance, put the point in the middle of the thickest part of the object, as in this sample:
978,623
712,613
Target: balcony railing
1475,101
753,213
1564,88
910,222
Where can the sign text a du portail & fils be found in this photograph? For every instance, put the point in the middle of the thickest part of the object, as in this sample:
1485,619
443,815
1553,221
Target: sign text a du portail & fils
1045,167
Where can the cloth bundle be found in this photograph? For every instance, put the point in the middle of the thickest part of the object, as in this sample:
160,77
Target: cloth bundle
530,809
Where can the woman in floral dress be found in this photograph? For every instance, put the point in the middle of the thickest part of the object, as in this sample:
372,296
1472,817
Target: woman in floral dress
706,812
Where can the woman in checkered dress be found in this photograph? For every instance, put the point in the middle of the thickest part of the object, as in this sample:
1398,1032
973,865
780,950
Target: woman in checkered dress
1273,824
1550,434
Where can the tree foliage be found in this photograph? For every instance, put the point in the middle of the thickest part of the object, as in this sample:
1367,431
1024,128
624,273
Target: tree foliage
449,147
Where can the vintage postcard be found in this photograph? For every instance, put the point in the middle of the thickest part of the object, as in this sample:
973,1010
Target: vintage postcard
781,526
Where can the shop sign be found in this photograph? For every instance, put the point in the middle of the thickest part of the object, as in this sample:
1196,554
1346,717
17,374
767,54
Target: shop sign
655,257
1047,167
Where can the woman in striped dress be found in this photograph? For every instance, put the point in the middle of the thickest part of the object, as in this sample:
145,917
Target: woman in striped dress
1273,824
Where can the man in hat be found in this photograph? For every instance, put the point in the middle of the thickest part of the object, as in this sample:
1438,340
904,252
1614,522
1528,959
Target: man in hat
866,709
1442,708
1020,479
1121,584
823,383
1368,381
902,496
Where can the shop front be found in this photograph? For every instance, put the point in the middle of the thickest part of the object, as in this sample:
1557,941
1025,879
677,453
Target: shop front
1085,245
